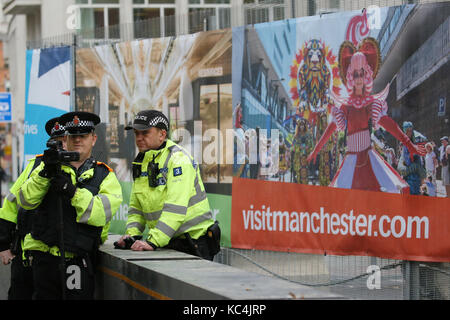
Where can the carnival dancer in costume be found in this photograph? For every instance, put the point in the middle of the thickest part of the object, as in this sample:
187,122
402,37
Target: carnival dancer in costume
301,146
313,83
410,166
363,168
284,158
328,160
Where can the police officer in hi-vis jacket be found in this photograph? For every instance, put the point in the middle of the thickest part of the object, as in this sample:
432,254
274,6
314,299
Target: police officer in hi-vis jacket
168,195
84,194
15,224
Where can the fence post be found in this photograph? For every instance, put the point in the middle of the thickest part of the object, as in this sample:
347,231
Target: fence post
411,281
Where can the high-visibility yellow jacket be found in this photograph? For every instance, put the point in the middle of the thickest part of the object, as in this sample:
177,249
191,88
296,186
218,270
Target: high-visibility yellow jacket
9,210
95,210
178,204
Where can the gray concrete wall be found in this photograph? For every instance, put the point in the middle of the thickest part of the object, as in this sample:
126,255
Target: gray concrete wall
5,275
171,275
168,274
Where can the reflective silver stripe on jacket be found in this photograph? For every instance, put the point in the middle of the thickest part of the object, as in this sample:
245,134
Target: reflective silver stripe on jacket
11,197
137,225
170,232
148,215
193,222
24,202
106,206
199,194
173,208
164,228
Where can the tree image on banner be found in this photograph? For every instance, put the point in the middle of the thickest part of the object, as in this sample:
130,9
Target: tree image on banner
310,84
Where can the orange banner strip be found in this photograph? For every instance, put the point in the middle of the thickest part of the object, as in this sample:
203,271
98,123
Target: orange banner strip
323,220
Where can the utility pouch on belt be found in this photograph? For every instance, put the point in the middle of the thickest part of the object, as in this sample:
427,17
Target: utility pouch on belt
213,233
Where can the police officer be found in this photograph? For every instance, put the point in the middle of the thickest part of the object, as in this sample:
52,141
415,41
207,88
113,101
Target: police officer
15,223
167,194
85,194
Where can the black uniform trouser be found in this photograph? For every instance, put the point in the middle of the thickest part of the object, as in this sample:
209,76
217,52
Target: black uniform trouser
197,247
21,287
79,277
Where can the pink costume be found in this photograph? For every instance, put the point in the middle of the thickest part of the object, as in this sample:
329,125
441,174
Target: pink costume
363,168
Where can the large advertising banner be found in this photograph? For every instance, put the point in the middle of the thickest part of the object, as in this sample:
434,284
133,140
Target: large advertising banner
341,117
321,220
318,110
47,94
186,77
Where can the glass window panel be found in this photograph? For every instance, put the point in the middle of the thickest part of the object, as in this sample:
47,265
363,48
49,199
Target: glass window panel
278,13
224,18
147,22
169,22
226,123
194,1
198,17
113,23
81,1
335,4
92,22
105,1
271,1
161,1
257,15
217,1
208,115
138,1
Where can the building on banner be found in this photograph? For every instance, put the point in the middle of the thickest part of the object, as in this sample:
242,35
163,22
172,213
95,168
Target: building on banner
186,77
415,53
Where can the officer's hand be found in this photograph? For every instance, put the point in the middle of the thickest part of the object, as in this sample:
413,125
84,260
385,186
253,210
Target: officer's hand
50,157
121,242
63,184
50,160
6,256
140,245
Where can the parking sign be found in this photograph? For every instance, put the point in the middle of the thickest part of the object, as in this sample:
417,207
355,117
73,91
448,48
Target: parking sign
5,107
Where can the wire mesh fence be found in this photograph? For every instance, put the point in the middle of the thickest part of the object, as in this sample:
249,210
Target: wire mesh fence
354,277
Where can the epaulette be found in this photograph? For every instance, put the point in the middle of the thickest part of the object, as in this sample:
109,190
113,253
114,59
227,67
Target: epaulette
104,164
39,155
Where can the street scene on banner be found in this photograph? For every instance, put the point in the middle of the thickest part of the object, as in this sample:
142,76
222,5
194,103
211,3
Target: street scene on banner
188,78
337,127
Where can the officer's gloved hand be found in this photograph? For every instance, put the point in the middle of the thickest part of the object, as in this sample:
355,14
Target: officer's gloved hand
63,184
51,163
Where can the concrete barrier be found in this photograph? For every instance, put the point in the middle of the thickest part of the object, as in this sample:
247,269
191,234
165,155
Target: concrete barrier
168,274
5,276
171,275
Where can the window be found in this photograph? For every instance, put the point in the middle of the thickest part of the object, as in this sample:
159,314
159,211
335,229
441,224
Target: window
256,15
209,15
147,23
216,110
154,18
258,11
105,1
98,18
